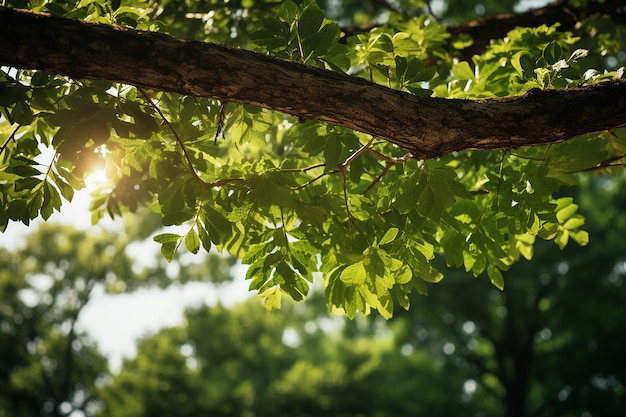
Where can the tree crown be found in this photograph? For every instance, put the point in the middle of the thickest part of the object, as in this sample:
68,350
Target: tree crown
304,150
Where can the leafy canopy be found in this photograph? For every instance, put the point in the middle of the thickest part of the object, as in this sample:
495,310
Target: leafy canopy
295,198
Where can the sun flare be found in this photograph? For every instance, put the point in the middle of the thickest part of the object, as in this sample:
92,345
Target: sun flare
97,180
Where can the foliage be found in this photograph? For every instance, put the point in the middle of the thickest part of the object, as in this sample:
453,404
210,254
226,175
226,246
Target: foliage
48,367
294,198
541,348
551,341
548,346
296,362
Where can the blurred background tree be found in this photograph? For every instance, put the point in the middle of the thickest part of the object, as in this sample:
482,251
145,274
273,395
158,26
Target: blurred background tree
550,345
547,346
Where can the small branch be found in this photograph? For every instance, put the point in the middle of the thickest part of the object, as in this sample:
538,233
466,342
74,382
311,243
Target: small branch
358,152
220,122
305,169
500,168
385,5
219,183
389,162
322,175
430,10
178,139
11,137
342,169
607,163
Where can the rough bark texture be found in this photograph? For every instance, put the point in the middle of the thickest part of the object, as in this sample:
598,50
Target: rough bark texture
483,30
428,127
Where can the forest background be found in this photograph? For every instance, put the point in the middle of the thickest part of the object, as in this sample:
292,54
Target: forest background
549,345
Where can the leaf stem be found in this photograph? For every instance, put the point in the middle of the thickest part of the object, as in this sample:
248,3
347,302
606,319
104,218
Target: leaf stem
6,142
356,154
219,183
178,139
220,122
305,169
389,162
311,181
607,163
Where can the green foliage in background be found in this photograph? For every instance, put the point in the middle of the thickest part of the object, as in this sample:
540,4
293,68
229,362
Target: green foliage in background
550,345
292,198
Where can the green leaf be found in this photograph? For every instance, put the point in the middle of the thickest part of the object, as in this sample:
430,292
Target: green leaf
310,20
192,241
46,205
580,236
566,212
169,243
574,222
332,152
495,276
25,171
354,274
272,298
389,236
204,237
22,113
66,190
524,63
462,71
11,94
552,52
218,227
166,238
404,275
18,210
288,10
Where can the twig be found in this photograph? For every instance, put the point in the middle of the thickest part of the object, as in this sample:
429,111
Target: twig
607,163
356,154
305,169
345,197
11,136
219,183
220,122
389,162
306,184
178,139
430,11
343,168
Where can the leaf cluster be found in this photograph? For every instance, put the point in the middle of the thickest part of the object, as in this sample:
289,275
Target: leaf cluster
299,199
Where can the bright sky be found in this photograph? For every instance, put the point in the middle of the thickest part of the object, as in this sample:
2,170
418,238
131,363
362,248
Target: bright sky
116,321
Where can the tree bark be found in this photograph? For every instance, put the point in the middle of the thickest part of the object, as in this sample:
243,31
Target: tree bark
483,30
428,127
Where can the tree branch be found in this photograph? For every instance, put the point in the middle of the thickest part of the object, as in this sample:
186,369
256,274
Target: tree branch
485,29
427,127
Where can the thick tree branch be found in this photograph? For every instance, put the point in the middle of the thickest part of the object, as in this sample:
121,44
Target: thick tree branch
485,29
427,127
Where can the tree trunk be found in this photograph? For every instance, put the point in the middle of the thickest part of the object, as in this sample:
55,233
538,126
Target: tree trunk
427,127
